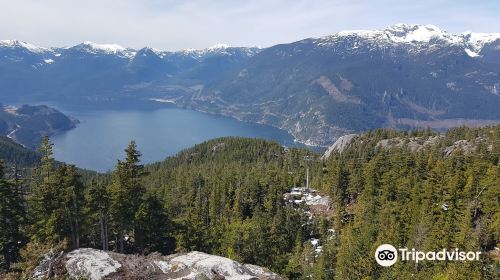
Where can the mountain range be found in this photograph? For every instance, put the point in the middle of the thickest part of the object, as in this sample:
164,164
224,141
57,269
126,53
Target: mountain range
317,89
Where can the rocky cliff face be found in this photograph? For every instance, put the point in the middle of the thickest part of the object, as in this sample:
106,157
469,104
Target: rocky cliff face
340,145
96,265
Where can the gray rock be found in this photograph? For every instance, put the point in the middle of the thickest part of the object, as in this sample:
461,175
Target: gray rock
413,144
340,145
95,264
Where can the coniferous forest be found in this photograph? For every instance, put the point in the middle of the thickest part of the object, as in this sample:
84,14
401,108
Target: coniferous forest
226,197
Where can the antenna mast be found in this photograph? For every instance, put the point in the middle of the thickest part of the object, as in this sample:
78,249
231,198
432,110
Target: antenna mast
308,160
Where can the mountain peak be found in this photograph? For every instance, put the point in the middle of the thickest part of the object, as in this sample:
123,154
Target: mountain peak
478,40
109,48
412,27
415,33
20,44
220,46
416,36
150,50
403,33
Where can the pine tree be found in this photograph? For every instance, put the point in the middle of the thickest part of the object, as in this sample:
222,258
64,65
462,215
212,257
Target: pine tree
44,197
127,194
358,239
57,205
74,201
47,160
98,206
489,197
12,214
295,266
153,227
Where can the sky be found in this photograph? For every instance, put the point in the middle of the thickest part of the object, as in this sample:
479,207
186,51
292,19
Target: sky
182,24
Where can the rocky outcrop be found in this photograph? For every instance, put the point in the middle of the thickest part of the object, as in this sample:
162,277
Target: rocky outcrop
95,264
340,145
414,144
467,147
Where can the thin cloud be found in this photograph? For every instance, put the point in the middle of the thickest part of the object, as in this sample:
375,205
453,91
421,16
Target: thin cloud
179,24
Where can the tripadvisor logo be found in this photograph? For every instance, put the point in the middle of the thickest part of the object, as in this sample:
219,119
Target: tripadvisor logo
387,255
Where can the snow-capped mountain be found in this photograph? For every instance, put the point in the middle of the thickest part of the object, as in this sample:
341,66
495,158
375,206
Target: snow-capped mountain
402,76
60,70
52,54
414,37
15,44
317,89
103,49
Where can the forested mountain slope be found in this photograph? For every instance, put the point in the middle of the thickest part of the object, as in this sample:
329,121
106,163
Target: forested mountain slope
416,190
28,124
13,153
226,197
421,190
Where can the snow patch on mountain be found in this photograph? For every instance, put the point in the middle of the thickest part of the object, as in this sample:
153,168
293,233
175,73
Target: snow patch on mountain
109,48
471,53
477,41
220,46
115,49
403,33
20,44
219,49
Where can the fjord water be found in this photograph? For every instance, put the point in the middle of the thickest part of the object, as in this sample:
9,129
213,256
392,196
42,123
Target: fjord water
99,140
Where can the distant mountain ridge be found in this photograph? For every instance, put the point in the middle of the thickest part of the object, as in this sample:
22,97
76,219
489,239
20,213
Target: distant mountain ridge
317,89
91,72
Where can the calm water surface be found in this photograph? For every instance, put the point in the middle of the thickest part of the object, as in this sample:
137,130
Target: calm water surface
100,138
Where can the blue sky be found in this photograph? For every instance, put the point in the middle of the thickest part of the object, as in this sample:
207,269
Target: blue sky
180,24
